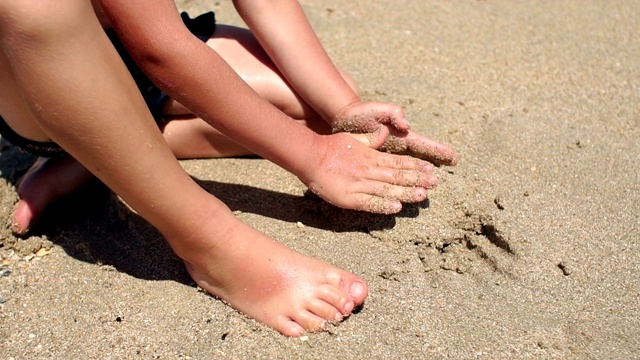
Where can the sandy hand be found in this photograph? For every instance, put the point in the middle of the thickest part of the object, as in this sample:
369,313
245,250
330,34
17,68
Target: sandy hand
351,174
361,117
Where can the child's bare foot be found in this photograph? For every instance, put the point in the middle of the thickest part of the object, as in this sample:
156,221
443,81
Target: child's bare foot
46,181
275,285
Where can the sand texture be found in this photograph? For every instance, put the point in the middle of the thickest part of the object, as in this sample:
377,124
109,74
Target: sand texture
529,249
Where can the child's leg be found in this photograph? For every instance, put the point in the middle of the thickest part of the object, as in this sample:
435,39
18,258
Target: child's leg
47,179
58,52
188,136
241,50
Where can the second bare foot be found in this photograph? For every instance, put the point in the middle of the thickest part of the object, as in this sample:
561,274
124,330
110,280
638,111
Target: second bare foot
46,181
275,285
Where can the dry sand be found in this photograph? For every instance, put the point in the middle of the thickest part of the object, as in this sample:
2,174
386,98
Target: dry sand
527,250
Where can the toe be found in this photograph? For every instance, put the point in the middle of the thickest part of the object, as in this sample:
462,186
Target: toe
336,298
309,321
325,310
289,327
349,284
21,218
358,291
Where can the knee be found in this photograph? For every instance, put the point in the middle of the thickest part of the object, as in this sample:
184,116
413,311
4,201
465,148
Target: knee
29,22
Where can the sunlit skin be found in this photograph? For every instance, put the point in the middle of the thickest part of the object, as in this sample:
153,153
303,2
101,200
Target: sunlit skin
257,110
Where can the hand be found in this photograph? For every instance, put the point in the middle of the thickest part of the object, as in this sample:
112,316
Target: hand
351,174
361,117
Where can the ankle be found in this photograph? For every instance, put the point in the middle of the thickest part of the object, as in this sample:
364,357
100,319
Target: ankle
201,243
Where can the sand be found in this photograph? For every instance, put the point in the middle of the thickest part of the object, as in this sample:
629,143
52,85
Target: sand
529,249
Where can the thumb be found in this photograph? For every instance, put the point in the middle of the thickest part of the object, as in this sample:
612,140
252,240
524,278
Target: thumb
393,115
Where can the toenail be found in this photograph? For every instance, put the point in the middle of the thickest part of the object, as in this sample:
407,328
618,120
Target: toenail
338,317
357,289
323,326
348,308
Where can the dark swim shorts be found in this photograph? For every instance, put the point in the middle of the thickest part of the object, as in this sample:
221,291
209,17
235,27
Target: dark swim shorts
202,27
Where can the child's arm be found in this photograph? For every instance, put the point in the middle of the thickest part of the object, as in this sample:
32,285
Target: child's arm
196,76
338,168
284,32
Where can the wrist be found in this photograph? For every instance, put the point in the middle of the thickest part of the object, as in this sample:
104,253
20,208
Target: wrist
337,115
314,159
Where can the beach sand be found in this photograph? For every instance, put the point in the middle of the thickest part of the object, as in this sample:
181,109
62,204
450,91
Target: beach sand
529,249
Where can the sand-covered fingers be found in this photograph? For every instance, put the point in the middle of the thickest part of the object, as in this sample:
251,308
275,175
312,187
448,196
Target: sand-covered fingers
403,171
352,175
406,194
368,117
406,178
418,146
402,162
386,199
365,117
378,205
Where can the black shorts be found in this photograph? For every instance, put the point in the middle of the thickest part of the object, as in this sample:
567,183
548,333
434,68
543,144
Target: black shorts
202,27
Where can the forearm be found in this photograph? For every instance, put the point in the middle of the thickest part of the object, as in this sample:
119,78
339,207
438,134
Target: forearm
284,32
197,77
226,102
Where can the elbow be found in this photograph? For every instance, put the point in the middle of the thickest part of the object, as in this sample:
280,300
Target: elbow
160,60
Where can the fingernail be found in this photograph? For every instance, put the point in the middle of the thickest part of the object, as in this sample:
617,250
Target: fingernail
357,289
432,182
455,160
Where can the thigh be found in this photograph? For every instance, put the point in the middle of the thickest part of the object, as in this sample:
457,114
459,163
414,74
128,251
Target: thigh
27,28
13,109
240,49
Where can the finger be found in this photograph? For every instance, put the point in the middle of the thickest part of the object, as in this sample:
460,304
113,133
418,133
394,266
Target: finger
402,162
421,147
427,149
392,115
421,178
376,204
405,194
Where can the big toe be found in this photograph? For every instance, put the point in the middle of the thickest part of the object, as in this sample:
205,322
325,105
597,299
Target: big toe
358,291
22,217
349,284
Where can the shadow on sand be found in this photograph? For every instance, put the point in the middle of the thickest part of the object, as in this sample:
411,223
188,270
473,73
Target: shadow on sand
94,225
